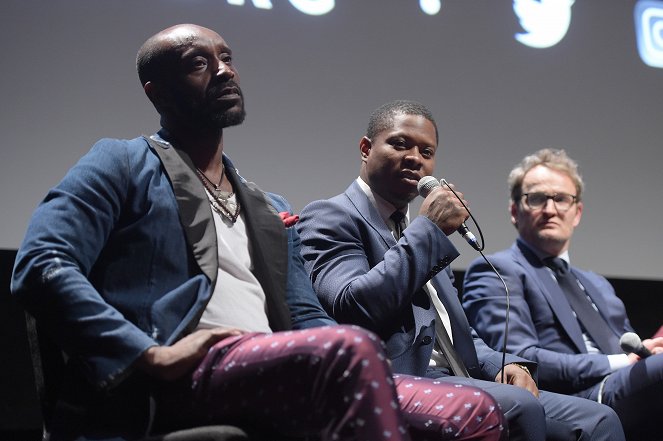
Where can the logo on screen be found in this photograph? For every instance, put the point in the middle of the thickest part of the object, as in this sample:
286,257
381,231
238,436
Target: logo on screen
649,31
310,7
430,7
545,21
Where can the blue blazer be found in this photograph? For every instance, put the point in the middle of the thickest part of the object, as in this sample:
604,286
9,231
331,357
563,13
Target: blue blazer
363,276
542,326
122,255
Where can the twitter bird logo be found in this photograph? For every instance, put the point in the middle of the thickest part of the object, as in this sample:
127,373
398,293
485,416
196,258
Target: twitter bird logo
545,21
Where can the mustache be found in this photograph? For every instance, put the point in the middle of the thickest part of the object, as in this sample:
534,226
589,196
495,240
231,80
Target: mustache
230,84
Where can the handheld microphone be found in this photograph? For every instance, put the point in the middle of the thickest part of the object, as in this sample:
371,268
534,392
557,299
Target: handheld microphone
630,342
428,183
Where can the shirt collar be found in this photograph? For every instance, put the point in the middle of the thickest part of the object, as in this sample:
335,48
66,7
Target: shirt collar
541,255
385,209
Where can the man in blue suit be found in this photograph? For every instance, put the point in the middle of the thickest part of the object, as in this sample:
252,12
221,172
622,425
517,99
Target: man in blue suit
166,278
575,355
400,287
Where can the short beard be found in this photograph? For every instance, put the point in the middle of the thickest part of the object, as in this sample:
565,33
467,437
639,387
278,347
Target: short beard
201,113
229,118
232,116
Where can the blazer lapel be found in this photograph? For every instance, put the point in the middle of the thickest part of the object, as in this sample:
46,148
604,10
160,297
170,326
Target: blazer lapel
370,214
194,209
552,292
268,245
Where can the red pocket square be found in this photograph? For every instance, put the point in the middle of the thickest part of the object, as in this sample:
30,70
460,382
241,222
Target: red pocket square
288,219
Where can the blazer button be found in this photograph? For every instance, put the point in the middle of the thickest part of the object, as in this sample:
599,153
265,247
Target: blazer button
426,340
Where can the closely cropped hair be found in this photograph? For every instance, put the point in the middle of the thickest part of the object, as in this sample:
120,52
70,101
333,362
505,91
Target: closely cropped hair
555,159
147,61
382,118
154,60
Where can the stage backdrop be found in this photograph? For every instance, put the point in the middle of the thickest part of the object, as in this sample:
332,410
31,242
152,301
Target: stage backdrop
503,79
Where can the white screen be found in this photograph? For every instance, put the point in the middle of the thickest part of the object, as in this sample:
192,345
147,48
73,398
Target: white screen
311,81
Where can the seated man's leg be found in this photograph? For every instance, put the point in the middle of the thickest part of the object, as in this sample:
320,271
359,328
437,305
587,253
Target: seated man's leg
438,410
636,394
574,418
329,381
524,413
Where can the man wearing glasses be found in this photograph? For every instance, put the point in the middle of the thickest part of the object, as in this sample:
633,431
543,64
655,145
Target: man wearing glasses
568,320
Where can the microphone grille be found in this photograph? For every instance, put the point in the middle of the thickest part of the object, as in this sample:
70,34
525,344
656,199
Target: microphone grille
630,341
426,184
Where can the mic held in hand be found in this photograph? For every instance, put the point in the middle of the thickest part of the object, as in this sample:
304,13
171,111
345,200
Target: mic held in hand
424,187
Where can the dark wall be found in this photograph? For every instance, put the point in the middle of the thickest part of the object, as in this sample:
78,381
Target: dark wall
644,303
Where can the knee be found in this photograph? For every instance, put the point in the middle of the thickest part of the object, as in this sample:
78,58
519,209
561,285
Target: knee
349,342
357,340
521,404
606,423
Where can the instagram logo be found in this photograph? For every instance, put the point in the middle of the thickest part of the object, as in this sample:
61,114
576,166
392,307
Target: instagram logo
649,31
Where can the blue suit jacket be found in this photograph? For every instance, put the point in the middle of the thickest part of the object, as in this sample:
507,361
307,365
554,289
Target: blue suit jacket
363,276
542,326
122,255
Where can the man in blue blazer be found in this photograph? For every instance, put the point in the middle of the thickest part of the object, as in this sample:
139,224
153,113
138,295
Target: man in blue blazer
365,274
573,358
166,278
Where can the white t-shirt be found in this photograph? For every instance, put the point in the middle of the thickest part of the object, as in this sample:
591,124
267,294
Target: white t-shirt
238,300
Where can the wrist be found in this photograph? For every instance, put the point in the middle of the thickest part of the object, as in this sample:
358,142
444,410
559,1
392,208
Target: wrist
149,358
523,367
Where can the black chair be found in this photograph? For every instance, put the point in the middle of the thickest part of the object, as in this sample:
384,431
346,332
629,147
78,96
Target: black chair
48,365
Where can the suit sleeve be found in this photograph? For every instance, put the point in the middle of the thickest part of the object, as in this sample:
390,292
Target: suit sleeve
490,359
485,304
350,288
304,306
64,238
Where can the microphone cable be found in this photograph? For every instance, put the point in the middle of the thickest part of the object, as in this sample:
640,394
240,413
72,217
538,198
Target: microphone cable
499,276
481,245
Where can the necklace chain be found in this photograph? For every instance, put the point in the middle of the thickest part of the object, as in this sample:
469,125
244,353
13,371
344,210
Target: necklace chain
221,204
217,187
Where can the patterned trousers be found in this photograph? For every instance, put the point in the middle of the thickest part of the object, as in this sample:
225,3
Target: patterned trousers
333,382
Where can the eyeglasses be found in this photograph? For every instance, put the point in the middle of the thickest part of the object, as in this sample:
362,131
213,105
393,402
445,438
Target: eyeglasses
563,201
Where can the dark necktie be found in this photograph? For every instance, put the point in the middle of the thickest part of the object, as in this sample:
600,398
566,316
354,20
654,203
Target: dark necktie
399,223
442,337
590,319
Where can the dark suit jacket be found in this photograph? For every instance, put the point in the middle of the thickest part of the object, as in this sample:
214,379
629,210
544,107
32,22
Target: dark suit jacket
542,326
122,255
363,276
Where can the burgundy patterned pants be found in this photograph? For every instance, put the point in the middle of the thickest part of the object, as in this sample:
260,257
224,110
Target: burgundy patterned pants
333,382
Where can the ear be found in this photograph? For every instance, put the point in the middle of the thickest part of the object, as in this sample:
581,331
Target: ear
154,93
149,90
365,146
576,220
513,208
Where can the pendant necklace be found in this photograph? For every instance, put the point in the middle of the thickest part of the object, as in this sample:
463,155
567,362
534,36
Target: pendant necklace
220,202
